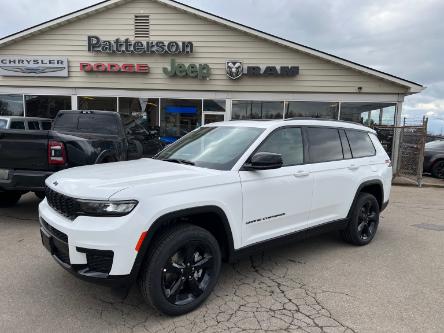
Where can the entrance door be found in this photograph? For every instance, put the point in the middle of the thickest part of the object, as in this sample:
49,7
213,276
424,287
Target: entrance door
277,202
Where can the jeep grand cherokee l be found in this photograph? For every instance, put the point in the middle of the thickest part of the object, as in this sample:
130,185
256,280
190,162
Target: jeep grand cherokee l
223,190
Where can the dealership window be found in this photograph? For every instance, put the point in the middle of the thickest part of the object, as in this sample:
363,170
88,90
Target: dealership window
179,117
97,103
213,111
369,114
46,106
140,117
324,110
11,105
257,110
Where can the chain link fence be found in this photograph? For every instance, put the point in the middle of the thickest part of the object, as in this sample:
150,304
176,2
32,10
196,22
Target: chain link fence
412,139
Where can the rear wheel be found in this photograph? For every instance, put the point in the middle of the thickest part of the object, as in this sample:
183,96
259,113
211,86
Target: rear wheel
181,271
438,169
364,221
9,198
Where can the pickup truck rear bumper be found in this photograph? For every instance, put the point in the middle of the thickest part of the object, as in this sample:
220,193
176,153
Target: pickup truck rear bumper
25,180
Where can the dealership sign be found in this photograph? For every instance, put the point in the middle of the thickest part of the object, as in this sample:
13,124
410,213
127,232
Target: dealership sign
114,68
33,66
96,44
235,70
197,71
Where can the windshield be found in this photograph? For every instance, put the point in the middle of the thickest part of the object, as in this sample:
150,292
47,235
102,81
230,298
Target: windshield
212,147
3,123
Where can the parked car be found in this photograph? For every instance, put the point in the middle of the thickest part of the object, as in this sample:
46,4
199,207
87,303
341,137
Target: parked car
78,138
25,123
434,158
222,191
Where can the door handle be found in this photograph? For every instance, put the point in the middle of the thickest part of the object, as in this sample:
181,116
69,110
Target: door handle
301,173
353,167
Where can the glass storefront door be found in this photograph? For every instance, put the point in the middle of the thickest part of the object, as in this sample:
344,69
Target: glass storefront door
179,117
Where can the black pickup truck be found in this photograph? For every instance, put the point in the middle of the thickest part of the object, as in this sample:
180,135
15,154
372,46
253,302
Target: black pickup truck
77,138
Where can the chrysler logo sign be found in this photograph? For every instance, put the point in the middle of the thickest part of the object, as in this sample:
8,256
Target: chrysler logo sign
33,66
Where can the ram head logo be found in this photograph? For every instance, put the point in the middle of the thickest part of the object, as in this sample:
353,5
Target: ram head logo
235,69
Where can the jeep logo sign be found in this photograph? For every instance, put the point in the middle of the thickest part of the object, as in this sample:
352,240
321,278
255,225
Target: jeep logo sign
201,71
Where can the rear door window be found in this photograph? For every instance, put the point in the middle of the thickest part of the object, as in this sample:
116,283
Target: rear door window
33,125
324,144
46,125
360,143
18,125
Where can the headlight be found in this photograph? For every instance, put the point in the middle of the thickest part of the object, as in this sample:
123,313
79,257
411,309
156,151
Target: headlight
106,208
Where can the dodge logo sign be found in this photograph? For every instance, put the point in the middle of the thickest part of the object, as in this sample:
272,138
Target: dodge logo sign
235,69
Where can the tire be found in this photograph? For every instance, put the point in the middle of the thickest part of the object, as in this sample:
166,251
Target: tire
438,169
364,221
9,198
168,281
40,194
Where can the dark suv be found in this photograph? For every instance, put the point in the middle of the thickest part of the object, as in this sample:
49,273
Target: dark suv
434,158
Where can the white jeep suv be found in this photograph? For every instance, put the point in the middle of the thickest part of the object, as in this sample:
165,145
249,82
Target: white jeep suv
223,190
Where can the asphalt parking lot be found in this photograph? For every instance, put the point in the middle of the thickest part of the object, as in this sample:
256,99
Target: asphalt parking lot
396,284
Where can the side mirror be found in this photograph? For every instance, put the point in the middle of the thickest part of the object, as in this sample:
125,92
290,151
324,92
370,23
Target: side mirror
264,161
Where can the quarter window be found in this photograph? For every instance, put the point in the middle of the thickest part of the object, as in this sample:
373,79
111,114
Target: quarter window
324,145
33,125
286,142
361,144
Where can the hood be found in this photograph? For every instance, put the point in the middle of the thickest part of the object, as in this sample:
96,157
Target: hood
100,182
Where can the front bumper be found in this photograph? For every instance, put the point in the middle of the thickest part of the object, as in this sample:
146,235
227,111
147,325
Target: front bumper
95,249
25,180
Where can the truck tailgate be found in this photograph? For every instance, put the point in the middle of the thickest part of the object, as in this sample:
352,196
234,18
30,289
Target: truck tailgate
23,150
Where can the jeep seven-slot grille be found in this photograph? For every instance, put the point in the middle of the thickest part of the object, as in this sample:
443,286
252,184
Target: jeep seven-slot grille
63,204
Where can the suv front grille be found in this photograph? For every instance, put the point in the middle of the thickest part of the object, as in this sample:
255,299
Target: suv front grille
63,204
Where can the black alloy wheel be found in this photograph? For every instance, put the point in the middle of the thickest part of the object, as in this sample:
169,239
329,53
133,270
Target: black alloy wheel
368,219
438,169
188,273
364,221
181,269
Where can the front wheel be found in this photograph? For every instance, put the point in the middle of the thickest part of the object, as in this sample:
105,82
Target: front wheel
364,221
181,271
9,198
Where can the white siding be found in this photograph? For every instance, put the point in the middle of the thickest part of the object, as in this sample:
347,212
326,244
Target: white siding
213,44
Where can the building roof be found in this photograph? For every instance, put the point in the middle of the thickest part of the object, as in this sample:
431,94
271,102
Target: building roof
101,6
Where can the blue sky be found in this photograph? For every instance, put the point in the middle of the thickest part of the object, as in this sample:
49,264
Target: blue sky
401,37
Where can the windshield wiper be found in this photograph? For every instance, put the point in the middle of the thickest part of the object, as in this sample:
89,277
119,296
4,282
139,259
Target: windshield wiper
178,160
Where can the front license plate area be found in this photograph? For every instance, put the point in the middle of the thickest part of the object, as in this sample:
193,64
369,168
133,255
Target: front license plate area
47,241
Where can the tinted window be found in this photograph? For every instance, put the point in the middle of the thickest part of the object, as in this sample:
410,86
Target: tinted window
33,125
360,144
89,123
324,144
17,125
345,145
286,142
46,125
3,123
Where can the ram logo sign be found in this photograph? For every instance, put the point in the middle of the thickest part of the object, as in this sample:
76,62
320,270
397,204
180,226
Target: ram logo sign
235,69
33,66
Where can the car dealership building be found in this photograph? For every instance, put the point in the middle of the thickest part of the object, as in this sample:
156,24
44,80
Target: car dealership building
173,68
